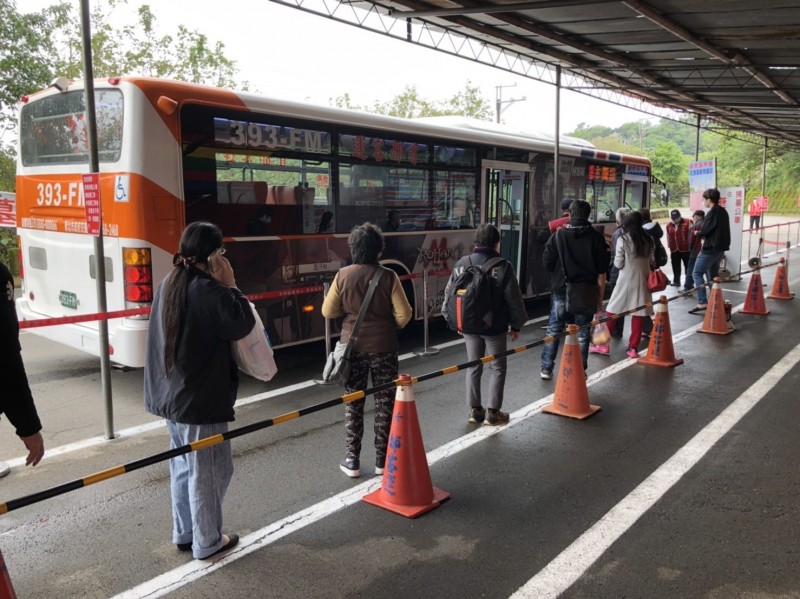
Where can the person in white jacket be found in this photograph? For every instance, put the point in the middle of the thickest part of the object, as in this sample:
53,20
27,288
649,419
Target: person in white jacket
633,255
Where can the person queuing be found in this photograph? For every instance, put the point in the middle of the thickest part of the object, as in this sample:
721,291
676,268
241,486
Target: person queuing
617,326
715,233
654,230
679,248
374,351
694,247
555,225
191,380
633,256
651,227
754,210
16,400
508,312
584,259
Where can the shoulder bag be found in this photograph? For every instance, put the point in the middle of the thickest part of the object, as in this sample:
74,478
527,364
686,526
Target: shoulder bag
253,353
582,298
337,366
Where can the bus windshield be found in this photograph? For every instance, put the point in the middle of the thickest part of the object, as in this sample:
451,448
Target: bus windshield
53,129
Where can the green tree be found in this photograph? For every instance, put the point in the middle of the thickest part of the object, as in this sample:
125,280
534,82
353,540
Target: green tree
671,166
27,45
409,104
138,50
8,167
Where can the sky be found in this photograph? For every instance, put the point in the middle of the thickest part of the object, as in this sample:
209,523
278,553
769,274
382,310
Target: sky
288,53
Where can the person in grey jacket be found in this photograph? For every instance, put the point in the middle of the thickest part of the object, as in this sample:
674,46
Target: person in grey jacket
508,316
191,380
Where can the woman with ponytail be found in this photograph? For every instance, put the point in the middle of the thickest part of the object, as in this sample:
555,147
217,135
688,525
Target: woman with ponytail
191,380
632,257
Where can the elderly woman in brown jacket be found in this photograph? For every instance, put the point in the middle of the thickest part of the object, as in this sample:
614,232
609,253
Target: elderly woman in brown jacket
375,350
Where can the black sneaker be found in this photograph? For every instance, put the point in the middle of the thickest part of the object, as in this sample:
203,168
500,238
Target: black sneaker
350,467
476,415
546,374
380,464
495,417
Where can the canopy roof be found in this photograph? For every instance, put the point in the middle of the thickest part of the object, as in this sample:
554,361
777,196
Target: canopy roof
734,63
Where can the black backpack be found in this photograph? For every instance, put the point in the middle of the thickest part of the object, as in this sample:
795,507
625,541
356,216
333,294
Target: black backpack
660,253
471,298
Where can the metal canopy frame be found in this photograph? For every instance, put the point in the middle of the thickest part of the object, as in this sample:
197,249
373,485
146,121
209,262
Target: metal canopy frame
734,64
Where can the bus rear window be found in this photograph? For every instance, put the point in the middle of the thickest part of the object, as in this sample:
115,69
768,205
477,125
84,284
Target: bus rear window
53,129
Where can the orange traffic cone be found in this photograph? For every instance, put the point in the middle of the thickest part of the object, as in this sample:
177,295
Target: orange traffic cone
660,351
406,488
780,288
6,588
754,303
716,321
571,398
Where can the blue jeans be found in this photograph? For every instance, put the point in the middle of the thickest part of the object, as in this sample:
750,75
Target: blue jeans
706,264
478,346
690,274
559,319
199,481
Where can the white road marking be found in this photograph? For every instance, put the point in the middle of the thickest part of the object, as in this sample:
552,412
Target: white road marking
196,569
575,560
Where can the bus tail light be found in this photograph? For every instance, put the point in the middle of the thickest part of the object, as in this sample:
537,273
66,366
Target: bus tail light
308,308
138,293
138,271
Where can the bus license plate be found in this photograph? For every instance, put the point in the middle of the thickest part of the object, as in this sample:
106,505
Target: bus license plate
68,299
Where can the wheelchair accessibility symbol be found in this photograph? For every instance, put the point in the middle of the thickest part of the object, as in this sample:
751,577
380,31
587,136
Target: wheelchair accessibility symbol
121,185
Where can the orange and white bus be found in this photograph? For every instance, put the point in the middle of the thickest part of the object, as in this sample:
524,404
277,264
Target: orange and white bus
286,182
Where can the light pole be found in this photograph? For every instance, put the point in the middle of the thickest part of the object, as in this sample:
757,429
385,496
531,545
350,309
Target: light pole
499,108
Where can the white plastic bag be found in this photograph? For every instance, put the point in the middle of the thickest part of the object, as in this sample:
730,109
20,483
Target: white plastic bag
253,353
600,332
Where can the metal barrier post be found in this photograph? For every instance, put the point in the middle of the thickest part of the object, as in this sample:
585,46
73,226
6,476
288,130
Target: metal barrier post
788,254
425,351
325,288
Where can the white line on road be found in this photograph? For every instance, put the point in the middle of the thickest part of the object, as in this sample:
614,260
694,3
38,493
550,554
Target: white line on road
196,569
575,560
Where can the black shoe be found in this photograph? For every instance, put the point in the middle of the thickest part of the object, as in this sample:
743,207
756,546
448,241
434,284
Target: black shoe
233,540
350,467
476,415
184,546
674,284
380,464
495,417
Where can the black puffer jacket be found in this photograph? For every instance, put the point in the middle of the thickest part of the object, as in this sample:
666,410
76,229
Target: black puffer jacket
716,230
16,401
201,389
586,256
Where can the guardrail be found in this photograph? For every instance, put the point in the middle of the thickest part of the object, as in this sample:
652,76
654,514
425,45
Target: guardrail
15,504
